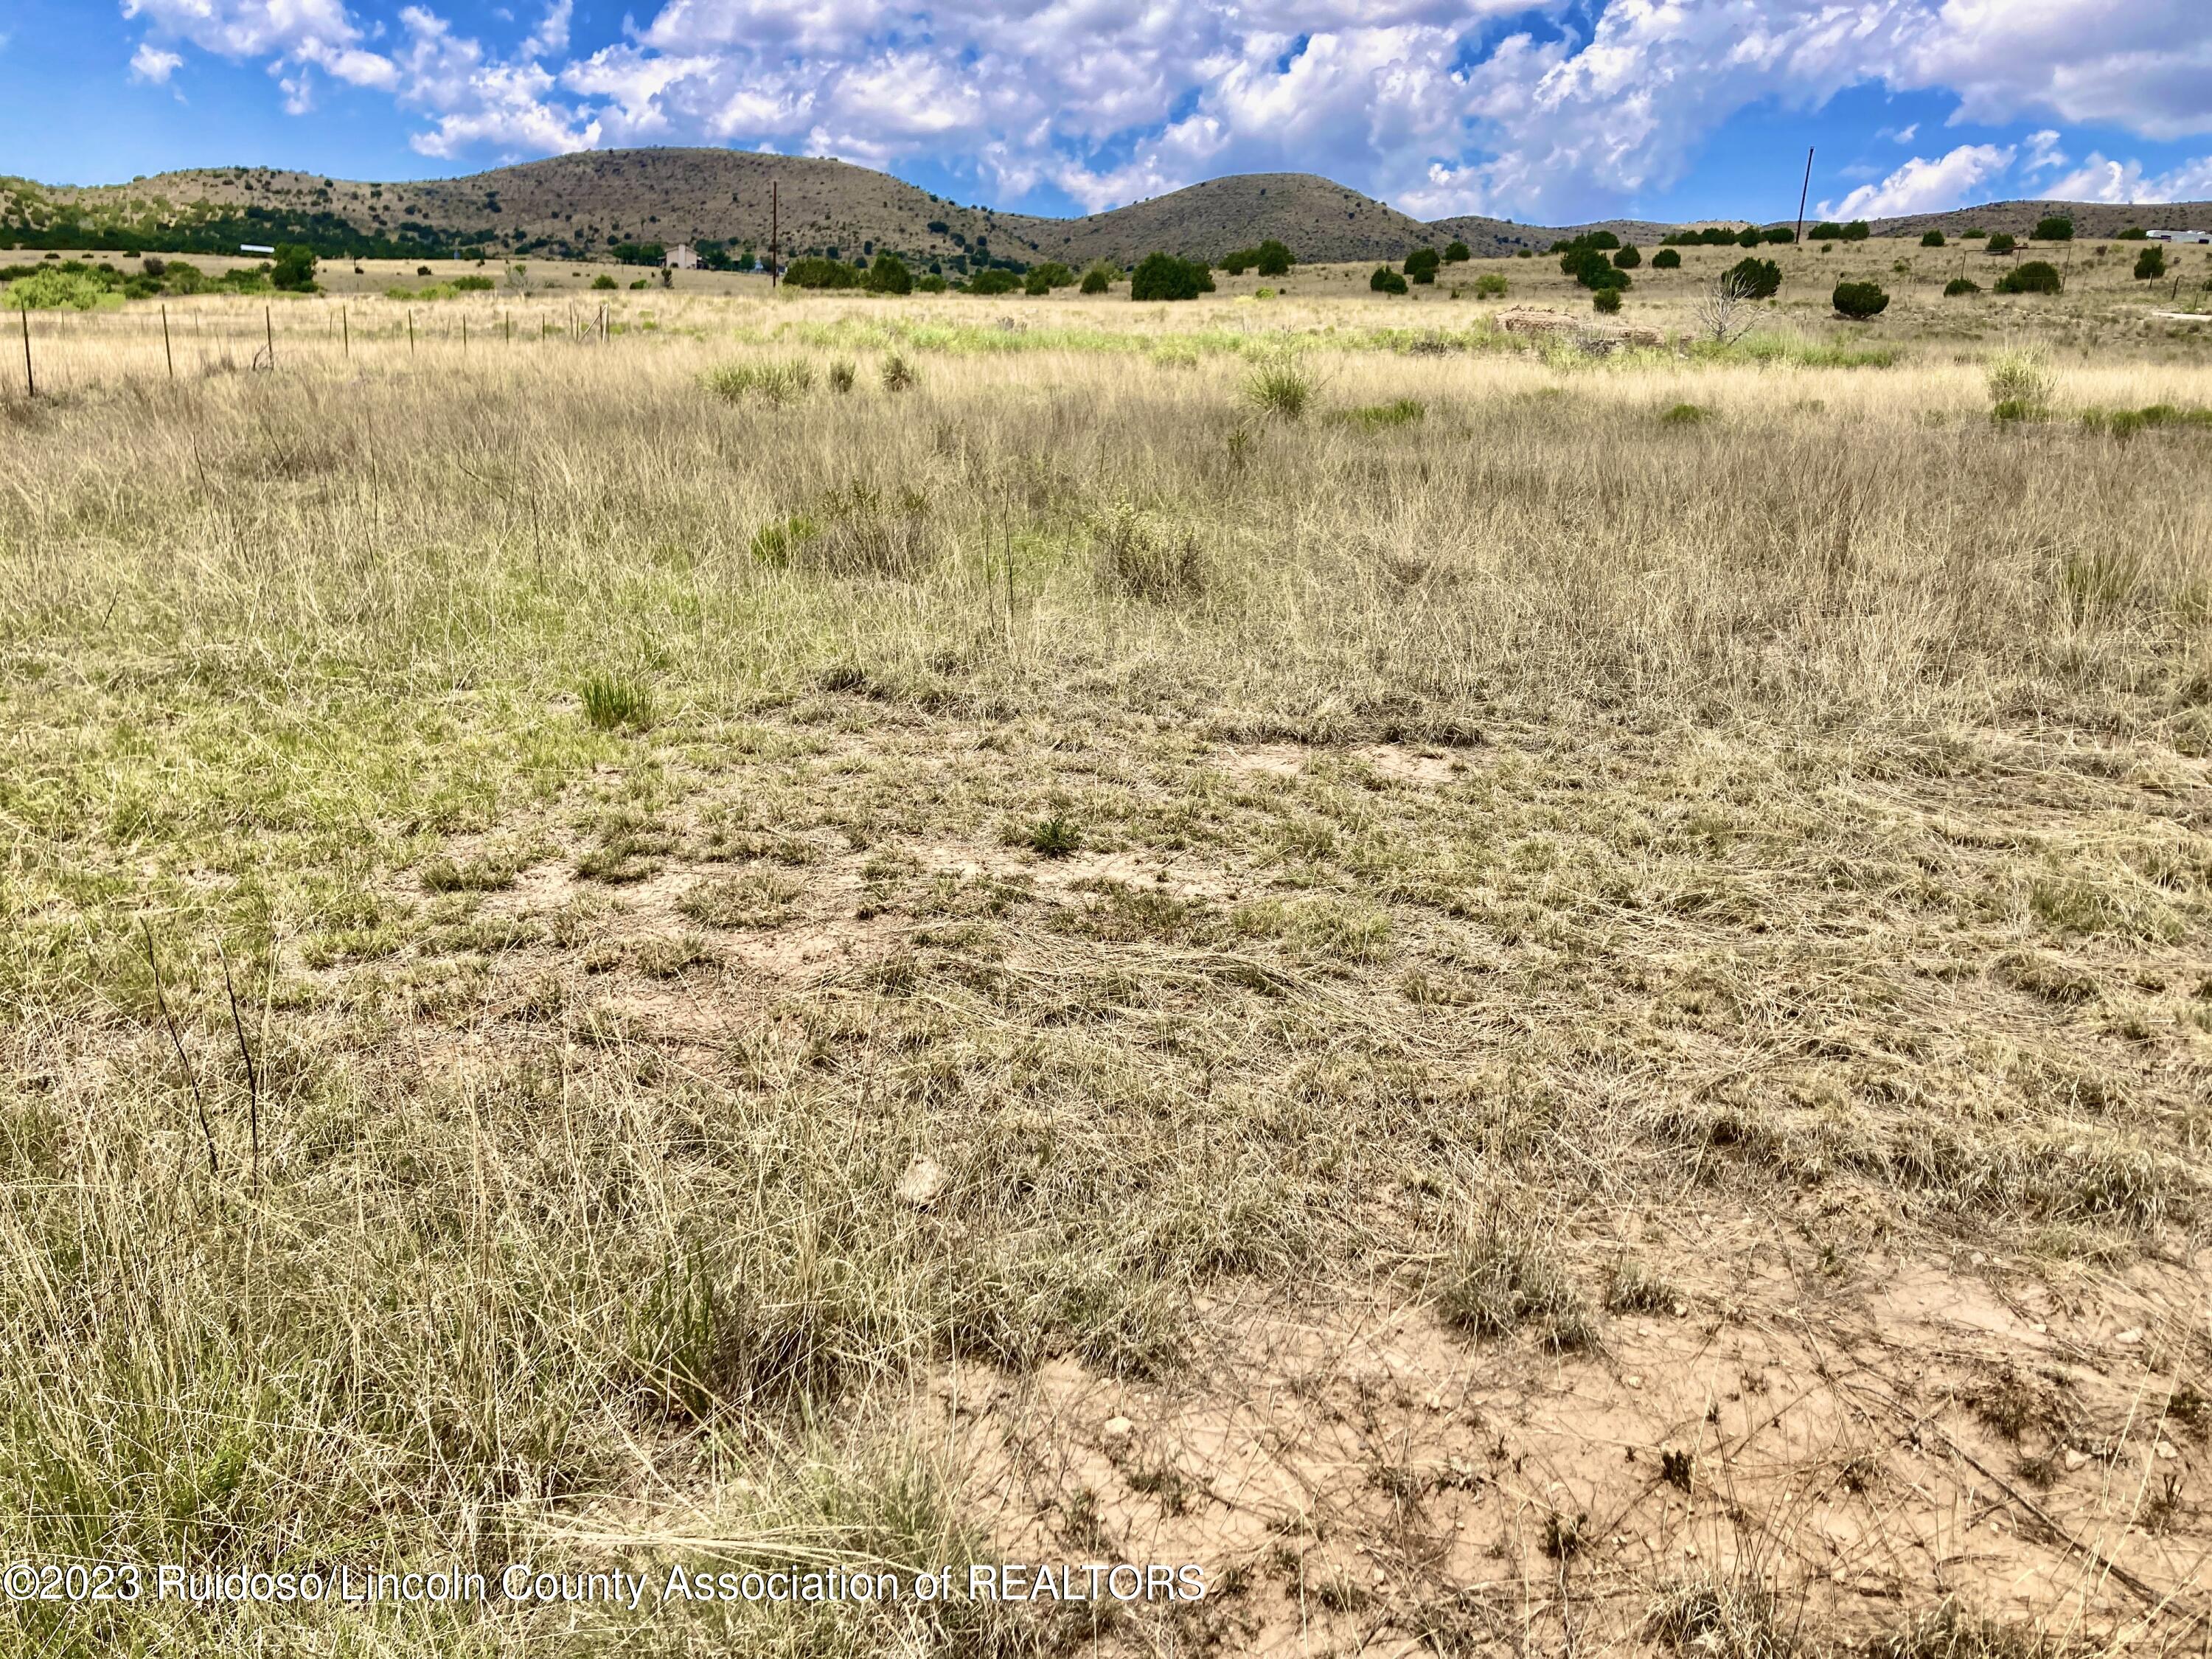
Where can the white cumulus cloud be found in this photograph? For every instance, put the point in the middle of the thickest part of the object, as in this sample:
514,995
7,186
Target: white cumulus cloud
149,64
1924,185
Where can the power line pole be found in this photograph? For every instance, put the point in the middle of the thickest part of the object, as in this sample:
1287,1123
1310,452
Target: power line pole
1803,194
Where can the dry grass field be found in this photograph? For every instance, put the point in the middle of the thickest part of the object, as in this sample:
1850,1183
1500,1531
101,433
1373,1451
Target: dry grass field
1523,1001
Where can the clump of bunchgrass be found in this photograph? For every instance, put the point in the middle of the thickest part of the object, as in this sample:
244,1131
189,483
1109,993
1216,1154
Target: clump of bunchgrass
614,700
775,384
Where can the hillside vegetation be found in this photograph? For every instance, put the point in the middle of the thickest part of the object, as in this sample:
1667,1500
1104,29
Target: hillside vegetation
587,205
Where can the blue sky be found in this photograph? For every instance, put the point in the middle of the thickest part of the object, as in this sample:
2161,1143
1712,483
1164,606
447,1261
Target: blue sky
1578,109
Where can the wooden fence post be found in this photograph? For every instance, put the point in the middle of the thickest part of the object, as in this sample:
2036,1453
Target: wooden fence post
30,382
169,350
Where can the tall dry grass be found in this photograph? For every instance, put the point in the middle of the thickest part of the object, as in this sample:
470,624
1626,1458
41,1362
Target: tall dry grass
268,636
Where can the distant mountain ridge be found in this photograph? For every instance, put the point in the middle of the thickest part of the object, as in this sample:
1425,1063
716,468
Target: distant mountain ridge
584,205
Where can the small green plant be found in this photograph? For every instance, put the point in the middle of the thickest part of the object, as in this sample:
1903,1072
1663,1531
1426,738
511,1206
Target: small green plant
773,544
1686,414
1402,412
1961,285
1500,1279
2019,380
606,284
1053,838
611,701
2036,276
1279,387
1491,285
774,383
1859,300
1606,301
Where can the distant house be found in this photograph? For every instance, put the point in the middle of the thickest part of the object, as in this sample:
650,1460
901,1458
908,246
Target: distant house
683,257
2179,235
254,247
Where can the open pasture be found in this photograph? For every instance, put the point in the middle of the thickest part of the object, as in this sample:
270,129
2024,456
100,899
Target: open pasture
1520,999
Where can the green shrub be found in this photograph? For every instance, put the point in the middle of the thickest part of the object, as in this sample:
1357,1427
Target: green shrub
1275,259
601,283
1606,300
1603,241
2132,234
1491,286
1457,254
53,290
1958,285
1666,259
2036,276
1826,231
294,270
1386,281
993,280
641,282
816,272
2150,265
1859,300
468,284
1972,233
1403,411
932,283
1094,280
1758,279
2003,242
1164,277
1686,414
1628,258
2054,228
1858,231
1421,265
889,274
1931,239
1043,278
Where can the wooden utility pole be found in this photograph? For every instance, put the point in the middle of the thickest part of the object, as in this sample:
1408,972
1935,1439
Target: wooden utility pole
774,227
30,385
168,351
269,323
1802,193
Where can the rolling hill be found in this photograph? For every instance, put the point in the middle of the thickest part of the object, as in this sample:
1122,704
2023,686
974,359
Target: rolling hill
583,206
